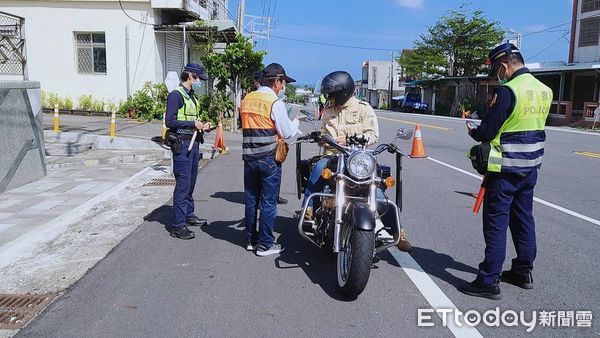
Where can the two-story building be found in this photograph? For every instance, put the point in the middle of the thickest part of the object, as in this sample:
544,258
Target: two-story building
377,78
110,48
576,83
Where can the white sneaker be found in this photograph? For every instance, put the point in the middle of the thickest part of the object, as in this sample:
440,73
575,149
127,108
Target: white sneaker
273,250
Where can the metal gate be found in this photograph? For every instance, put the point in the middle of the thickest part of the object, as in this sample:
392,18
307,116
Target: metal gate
12,45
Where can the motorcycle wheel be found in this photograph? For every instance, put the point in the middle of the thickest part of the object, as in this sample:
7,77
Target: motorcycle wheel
354,261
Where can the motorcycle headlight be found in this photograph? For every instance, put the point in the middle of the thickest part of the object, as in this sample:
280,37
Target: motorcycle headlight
361,165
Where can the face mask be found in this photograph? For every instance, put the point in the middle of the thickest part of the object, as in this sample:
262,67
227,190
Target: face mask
281,93
196,85
501,81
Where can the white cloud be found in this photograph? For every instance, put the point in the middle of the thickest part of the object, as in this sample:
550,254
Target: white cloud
415,4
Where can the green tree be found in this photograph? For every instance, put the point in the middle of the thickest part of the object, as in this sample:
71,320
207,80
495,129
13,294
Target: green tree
233,69
456,45
290,91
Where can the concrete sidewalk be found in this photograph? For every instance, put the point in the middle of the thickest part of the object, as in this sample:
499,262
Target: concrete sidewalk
96,193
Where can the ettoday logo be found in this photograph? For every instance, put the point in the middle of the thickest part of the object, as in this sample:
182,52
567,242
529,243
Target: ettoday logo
507,318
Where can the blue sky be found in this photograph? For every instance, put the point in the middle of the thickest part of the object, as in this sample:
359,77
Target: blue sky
390,24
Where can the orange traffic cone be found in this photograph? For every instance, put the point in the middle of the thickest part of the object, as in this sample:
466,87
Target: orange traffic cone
418,150
220,140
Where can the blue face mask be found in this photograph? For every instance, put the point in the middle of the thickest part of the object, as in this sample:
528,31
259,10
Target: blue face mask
196,86
501,81
281,95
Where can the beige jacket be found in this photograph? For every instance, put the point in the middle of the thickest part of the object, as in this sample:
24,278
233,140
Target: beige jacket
355,117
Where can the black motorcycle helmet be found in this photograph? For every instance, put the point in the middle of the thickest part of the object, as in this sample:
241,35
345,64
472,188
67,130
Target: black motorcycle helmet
338,87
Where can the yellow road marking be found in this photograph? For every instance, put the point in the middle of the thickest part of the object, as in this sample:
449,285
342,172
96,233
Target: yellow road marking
414,123
587,153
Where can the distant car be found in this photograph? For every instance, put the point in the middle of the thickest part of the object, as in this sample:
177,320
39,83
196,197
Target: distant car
411,102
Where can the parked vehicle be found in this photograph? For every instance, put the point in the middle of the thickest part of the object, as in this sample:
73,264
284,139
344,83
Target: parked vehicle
411,102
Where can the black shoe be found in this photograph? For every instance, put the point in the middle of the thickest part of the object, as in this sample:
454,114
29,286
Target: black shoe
195,221
183,233
523,280
479,290
281,200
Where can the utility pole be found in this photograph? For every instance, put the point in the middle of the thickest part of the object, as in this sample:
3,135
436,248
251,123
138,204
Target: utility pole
517,38
240,17
237,92
391,81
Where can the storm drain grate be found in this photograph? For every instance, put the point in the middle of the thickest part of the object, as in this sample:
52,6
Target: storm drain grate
17,310
160,182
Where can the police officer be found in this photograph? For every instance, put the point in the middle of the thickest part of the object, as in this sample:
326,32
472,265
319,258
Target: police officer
264,122
344,116
183,119
514,128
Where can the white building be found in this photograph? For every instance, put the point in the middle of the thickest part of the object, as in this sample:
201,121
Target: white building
80,47
376,82
585,29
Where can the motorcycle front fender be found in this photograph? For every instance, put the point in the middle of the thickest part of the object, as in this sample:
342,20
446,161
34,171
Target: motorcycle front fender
361,217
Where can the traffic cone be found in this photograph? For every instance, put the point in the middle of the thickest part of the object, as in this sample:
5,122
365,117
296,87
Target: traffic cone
220,140
418,150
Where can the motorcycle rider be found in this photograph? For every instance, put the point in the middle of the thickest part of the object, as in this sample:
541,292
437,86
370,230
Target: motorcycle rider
344,116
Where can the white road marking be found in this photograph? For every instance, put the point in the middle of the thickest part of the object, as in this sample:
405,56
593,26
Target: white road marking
427,287
539,200
432,293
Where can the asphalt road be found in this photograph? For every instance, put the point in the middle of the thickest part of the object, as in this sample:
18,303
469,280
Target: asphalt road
154,285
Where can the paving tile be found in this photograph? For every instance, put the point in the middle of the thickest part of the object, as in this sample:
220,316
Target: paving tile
48,194
8,203
4,226
76,201
59,210
82,187
65,187
6,215
48,204
102,187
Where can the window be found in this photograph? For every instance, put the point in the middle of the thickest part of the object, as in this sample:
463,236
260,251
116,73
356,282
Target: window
588,32
215,11
90,49
590,5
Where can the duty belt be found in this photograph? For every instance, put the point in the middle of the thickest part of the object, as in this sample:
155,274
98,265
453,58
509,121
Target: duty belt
185,131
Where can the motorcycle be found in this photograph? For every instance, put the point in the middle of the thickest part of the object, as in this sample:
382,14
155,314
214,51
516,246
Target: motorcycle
352,200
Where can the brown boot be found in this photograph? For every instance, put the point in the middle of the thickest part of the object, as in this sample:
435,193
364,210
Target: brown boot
404,244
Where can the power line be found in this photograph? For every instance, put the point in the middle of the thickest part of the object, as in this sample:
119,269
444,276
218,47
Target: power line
546,29
333,45
552,44
143,23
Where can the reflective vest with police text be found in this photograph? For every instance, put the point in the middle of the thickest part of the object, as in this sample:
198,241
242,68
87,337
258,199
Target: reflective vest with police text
519,144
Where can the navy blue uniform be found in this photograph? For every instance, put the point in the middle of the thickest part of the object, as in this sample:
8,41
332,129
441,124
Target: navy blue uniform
508,201
185,164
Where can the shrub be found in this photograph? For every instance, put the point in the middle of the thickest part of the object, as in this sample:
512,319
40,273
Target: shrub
44,98
97,105
143,104
53,99
66,103
85,102
110,106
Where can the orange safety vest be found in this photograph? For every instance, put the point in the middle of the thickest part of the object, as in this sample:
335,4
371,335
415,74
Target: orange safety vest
259,132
